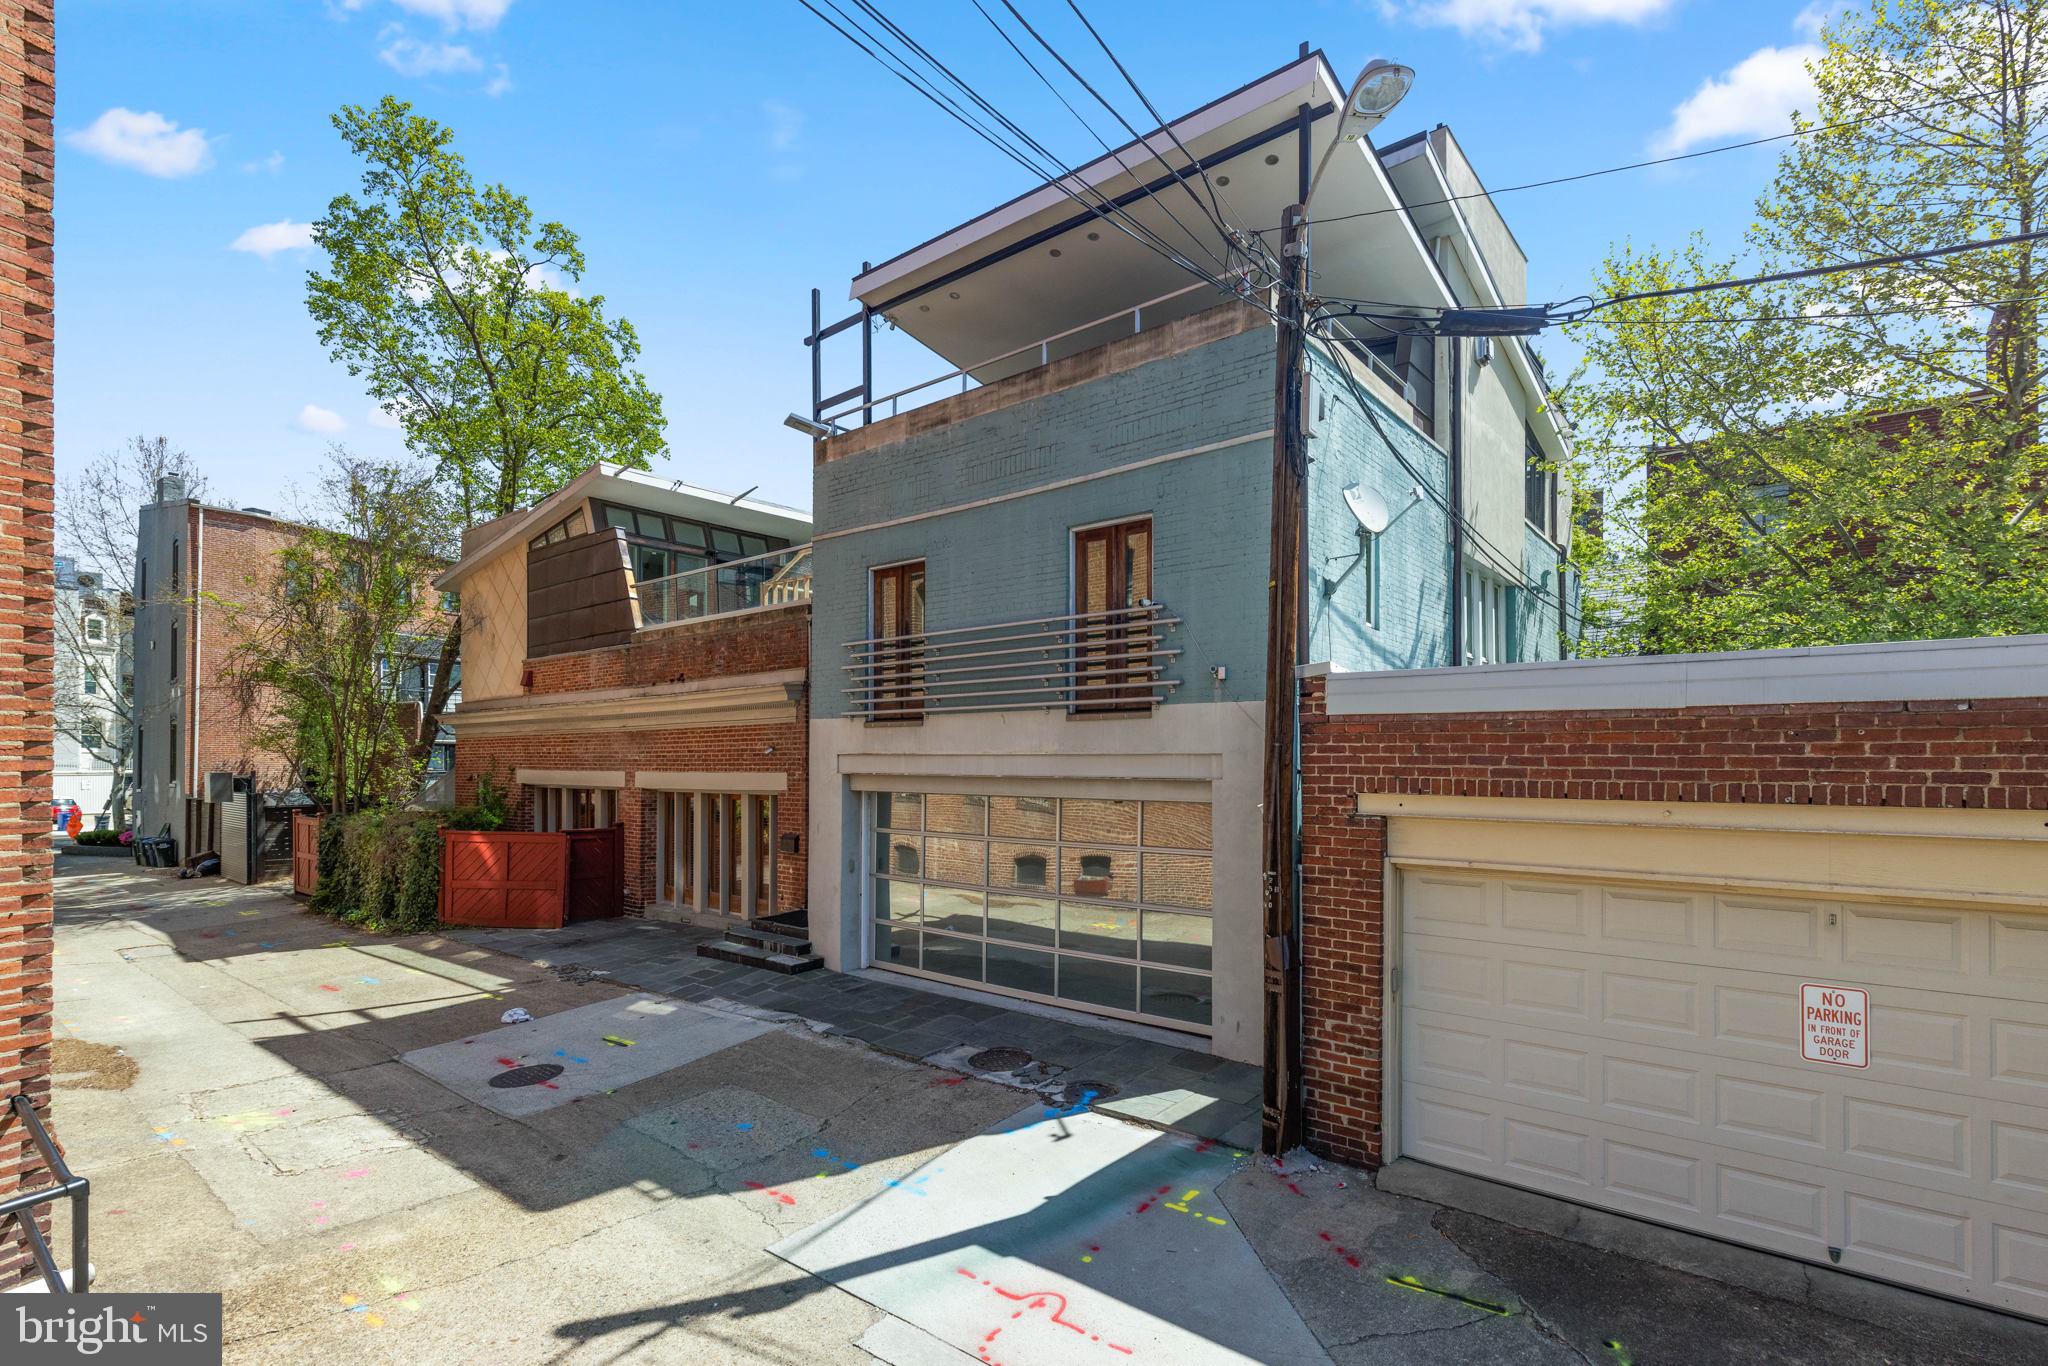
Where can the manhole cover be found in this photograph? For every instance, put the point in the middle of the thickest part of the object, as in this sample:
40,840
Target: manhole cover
531,1075
999,1060
1095,1091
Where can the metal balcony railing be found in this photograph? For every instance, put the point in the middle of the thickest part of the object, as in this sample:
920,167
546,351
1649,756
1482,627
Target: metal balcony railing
780,576
1086,661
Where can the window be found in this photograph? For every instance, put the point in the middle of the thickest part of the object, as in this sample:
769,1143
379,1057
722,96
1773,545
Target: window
92,682
91,730
716,852
572,525
177,569
174,652
1112,577
172,766
1539,486
1766,504
142,579
896,630
693,544
96,629
1485,619
1097,903
451,603
574,808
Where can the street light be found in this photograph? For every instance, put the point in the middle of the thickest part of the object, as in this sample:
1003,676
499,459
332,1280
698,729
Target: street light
1381,86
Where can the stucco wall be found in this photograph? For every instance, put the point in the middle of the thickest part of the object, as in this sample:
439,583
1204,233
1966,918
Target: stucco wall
494,626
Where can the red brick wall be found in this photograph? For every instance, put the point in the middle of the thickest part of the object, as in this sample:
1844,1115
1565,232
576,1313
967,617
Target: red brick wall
758,642
719,647
27,589
1985,753
238,562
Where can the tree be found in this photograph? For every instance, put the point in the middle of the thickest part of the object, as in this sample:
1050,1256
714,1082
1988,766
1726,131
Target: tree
96,526
326,666
460,315
1857,456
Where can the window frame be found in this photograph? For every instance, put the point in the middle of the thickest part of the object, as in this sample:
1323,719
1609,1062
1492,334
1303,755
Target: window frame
1133,696
899,679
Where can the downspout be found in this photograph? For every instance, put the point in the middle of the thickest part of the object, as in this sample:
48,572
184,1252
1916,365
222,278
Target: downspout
1457,501
192,683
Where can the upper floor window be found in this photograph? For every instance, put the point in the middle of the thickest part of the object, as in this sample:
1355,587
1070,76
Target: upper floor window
92,731
1112,576
174,652
663,545
1484,622
896,622
92,682
1539,486
142,578
1766,505
96,629
572,525
177,568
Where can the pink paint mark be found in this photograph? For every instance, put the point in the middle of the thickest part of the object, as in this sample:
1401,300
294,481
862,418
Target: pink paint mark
285,1111
319,1204
1297,1190
945,1081
355,1175
325,987
756,1185
348,1247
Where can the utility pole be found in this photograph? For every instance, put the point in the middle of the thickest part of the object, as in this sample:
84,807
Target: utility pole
1280,1129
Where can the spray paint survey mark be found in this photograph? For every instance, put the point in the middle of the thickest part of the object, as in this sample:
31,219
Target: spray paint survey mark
1033,1301
767,1189
1484,1306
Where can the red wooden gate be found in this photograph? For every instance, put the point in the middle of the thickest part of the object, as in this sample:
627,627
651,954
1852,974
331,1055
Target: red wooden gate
536,881
597,873
305,853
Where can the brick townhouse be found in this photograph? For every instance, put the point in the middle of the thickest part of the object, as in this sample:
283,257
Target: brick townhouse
27,587
1563,925
634,653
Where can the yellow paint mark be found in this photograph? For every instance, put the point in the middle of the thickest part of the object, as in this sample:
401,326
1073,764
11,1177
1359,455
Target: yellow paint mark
1182,1208
1212,1218
1189,1196
348,1301
374,1320
1087,1258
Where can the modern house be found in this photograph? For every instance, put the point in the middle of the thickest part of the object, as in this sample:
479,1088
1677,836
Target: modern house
1039,624
92,643
634,652
194,563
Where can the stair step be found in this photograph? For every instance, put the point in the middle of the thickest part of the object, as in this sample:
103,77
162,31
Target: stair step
766,937
749,955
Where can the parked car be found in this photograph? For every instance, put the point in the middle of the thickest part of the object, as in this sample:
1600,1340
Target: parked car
61,811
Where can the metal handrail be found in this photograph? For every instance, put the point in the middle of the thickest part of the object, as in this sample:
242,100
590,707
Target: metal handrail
22,1203
1042,346
1064,643
926,637
1091,663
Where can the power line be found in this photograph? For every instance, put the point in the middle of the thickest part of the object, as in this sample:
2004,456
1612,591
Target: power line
897,66
1657,161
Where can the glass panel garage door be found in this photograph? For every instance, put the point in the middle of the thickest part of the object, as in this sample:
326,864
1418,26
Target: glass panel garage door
1100,905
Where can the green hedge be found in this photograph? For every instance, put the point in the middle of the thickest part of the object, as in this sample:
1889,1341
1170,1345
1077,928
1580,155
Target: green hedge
97,837
381,870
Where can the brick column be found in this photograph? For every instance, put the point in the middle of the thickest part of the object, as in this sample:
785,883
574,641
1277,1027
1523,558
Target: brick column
27,586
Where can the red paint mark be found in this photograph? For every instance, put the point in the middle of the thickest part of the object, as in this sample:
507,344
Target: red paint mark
1036,1300
507,1062
945,1081
1297,1190
1164,1189
1324,1236
325,987
1351,1261
1142,1208
1205,1145
770,1190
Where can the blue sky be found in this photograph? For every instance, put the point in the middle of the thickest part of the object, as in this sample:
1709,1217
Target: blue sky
721,160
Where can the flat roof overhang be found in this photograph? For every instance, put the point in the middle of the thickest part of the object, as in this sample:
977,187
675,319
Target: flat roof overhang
1045,264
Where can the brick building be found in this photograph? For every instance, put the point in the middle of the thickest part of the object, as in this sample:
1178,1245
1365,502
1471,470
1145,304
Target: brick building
1561,923
27,585
634,652
195,567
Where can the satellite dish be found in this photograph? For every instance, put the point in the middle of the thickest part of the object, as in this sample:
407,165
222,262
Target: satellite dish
1369,508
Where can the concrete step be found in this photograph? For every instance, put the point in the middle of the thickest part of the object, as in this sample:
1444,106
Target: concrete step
770,937
753,956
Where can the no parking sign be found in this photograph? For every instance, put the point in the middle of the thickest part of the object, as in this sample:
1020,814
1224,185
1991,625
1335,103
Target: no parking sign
1834,1025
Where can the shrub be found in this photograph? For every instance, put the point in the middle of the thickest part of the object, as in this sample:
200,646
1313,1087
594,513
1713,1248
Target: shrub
100,837
381,870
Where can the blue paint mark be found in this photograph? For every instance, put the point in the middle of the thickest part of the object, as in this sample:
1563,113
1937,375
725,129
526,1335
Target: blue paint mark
748,1125
910,1187
565,1053
1078,1107
367,981
266,944
826,1154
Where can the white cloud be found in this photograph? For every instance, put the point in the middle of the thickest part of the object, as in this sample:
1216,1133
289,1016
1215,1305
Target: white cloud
409,56
268,239
269,165
1523,23
477,14
785,124
1811,20
1754,98
499,84
147,142
378,416
314,418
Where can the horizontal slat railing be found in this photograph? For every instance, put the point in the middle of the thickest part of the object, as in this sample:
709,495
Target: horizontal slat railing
1089,661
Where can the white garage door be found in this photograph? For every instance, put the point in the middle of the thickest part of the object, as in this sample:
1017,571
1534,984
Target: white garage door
1638,1048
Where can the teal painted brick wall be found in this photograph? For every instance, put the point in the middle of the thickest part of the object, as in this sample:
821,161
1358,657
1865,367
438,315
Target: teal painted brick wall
1402,620
1536,608
1012,560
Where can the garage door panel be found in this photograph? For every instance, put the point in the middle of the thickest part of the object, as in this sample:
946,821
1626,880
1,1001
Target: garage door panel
1945,1141
1638,1048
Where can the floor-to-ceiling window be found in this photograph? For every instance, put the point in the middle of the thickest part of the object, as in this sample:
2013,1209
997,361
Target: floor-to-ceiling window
715,852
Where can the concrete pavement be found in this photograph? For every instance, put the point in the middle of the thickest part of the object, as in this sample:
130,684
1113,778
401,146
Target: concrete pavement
321,1125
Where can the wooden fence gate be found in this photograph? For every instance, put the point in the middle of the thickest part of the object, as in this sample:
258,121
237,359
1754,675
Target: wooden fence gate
524,880
305,853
